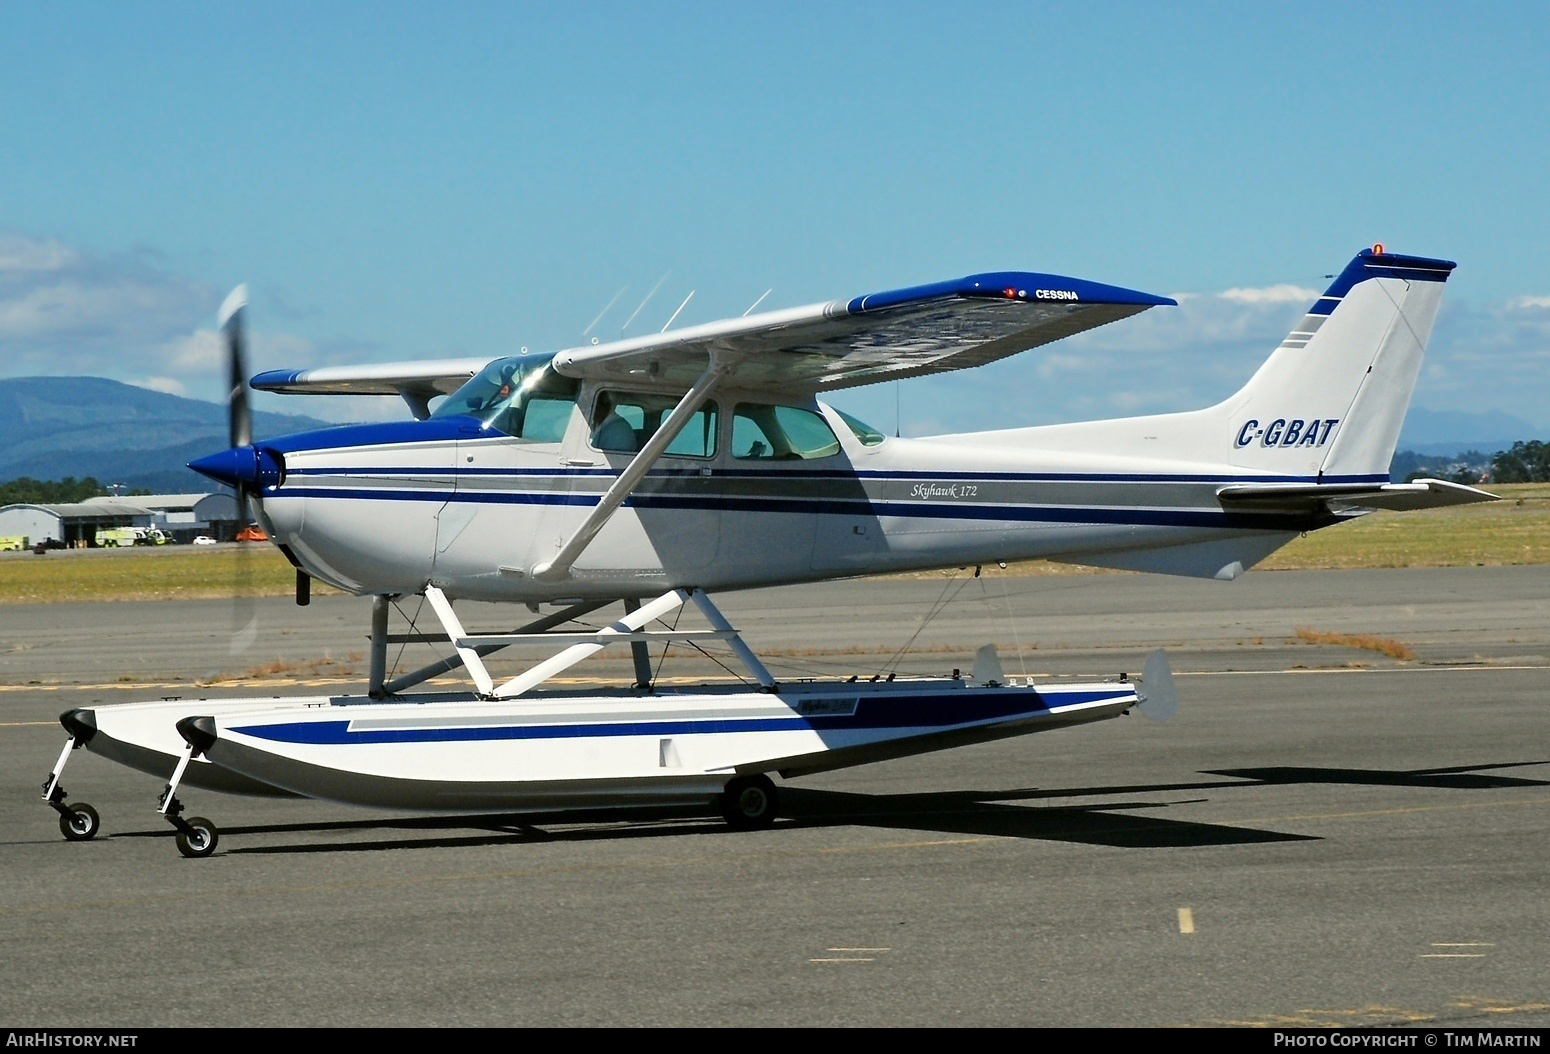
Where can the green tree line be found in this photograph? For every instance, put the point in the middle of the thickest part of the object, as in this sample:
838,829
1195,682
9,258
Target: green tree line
29,491
1526,462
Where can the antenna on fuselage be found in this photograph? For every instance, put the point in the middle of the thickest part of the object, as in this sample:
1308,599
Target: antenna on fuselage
757,302
643,303
680,308
606,307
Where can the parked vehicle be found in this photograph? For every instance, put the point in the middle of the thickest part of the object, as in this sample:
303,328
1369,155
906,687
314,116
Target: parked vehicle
112,537
109,537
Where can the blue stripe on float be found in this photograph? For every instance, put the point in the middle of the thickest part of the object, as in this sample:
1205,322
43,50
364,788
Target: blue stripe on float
917,712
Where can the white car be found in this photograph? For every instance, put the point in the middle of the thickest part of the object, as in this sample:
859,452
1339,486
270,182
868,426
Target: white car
204,539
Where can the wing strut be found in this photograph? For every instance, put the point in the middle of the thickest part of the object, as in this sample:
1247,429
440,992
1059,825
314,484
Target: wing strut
471,660
471,647
558,567
379,688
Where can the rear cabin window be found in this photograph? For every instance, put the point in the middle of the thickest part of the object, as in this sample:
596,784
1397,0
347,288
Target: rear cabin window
623,421
780,433
868,435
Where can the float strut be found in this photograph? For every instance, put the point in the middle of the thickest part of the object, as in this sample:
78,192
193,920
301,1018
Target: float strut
640,651
379,626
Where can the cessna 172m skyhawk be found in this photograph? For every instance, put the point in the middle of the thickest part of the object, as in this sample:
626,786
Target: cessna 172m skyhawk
659,470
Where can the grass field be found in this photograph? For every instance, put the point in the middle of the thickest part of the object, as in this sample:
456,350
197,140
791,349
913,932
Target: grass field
1515,530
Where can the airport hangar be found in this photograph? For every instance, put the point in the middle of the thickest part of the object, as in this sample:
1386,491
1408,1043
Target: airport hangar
182,517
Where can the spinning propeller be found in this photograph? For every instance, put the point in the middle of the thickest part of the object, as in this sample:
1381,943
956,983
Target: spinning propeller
246,468
242,466
239,413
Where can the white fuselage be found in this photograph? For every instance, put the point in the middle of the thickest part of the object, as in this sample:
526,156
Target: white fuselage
472,511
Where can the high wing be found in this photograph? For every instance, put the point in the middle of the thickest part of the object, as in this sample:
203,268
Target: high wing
925,329
840,344
417,382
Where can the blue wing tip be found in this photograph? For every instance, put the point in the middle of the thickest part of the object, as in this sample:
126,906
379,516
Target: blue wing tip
1030,286
271,379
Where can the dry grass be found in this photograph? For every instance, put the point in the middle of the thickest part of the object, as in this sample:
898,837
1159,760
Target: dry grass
1515,530
279,668
181,572
1365,641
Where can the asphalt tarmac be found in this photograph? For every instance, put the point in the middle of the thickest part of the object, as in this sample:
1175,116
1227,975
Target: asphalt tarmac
1324,834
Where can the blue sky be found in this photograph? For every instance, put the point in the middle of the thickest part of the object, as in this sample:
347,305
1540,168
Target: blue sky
400,181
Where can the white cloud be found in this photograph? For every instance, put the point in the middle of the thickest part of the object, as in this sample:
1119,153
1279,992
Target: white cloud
20,254
70,312
202,351
161,384
1055,364
1272,294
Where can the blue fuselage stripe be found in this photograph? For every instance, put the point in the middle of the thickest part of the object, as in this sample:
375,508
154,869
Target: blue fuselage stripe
807,475
1114,515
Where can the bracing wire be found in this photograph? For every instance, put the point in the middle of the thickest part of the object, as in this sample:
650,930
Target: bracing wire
1006,597
949,593
657,673
411,619
666,646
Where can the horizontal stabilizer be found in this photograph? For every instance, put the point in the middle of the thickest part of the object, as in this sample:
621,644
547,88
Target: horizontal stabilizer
1398,497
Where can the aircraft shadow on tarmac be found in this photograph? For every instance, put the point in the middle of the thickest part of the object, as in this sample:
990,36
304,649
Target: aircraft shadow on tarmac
998,813
1459,777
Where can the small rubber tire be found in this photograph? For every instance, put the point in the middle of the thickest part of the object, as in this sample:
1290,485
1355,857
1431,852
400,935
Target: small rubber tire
203,840
750,803
80,823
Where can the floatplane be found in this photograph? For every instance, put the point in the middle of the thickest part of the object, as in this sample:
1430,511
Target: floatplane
656,472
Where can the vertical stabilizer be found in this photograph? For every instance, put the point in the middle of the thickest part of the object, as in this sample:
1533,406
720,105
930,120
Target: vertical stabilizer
1330,400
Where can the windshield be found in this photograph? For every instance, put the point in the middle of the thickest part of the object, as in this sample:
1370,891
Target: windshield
520,396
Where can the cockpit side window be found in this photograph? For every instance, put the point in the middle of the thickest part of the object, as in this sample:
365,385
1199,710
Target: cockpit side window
780,433
623,421
520,396
868,435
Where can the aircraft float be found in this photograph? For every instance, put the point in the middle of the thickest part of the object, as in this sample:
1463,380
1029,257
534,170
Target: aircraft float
657,471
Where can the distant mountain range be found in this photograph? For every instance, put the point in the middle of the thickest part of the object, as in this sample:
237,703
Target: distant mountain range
1443,432
53,427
